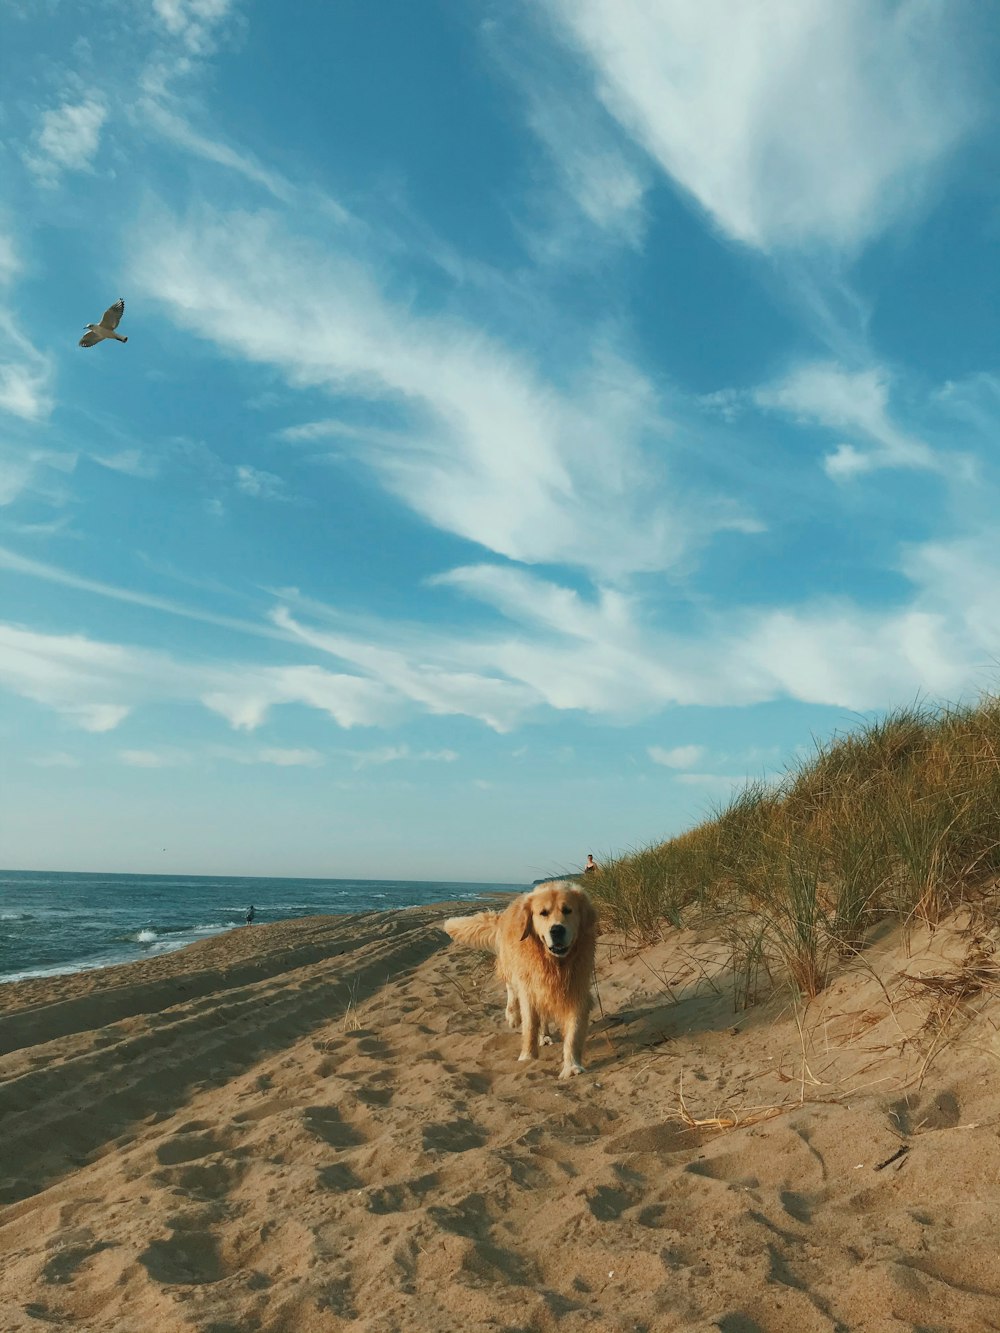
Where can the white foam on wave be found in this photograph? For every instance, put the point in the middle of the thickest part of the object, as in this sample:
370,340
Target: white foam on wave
146,936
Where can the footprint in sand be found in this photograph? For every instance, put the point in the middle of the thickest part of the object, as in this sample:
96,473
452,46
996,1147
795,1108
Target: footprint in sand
370,1043
205,1180
402,1197
189,1144
374,1096
338,1177
327,1124
63,1265
454,1136
608,1202
469,1217
189,1258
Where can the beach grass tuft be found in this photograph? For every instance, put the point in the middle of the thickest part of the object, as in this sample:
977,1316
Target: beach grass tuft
897,819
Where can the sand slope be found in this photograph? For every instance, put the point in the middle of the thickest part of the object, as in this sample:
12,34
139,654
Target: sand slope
321,1125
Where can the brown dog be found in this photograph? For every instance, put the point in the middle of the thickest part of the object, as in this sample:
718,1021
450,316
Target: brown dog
544,943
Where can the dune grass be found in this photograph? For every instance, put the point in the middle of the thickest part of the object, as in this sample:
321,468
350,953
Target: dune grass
898,819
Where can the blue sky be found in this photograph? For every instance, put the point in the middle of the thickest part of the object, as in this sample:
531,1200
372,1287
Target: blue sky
535,419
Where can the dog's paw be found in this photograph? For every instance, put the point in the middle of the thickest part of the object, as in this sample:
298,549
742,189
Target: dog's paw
571,1070
528,1055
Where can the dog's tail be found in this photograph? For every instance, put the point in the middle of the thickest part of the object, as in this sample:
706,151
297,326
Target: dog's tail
479,931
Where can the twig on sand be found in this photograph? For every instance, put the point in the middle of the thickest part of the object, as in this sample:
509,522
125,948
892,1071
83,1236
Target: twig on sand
900,1152
752,1115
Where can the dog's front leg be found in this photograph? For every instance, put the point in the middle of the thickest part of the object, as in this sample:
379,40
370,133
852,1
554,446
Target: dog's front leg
531,1021
513,1011
574,1035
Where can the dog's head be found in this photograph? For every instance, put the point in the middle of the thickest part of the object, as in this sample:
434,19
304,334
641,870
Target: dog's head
558,914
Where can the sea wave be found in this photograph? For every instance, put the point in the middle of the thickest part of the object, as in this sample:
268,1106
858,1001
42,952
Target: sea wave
145,936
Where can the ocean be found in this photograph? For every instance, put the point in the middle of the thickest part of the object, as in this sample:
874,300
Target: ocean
52,923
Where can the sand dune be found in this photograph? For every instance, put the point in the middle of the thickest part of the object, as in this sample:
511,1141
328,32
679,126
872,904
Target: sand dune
321,1125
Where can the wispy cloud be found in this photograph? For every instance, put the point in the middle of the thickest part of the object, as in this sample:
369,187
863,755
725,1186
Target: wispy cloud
154,758
39,569
95,685
681,756
599,174
852,402
394,754
67,139
428,673
132,462
10,261
161,112
260,485
173,757
193,22
58,759
26,374
551,648
490,451
793,123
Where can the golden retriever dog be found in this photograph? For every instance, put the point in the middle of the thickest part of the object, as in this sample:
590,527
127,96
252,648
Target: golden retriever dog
544,944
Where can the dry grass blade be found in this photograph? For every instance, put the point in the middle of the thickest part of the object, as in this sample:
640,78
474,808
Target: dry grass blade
977,971
735,1119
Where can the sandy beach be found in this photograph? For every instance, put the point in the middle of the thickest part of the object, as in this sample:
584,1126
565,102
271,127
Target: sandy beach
321,1125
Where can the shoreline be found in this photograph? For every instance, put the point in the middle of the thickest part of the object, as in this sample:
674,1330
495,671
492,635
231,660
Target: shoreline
322,1124
142,931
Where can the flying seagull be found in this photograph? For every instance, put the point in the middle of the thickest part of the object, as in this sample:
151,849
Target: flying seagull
106,329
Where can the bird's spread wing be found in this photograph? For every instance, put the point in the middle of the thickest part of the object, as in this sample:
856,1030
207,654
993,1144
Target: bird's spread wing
113,314
90,339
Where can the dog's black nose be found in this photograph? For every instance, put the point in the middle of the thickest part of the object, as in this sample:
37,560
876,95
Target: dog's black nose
557,932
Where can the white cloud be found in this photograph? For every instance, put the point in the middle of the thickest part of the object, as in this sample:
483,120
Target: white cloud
426,673
289,758
491,452
826,394
96,685
67,139
25,373
393,754
261,485
10,264
192,21
154,758
602,175
171,757
132,462
551,648
12,561
161,114
96,717
791,122
58,759
681,756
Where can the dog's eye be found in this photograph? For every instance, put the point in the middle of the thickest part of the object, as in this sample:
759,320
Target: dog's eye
567,911
544,912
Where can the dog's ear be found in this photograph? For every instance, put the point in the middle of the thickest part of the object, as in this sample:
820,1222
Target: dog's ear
588,914
527,922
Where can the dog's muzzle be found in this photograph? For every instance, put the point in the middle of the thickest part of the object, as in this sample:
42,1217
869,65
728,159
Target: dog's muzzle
557,943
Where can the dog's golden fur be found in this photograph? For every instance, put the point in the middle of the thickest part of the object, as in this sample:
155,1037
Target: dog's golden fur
544,944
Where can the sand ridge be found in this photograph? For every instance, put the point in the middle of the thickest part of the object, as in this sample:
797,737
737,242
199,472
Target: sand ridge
322,1125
